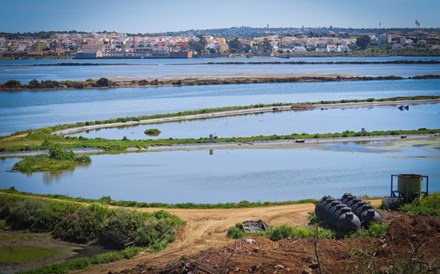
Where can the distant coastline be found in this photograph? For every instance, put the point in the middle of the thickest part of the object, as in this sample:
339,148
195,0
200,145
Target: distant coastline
435,53
252,78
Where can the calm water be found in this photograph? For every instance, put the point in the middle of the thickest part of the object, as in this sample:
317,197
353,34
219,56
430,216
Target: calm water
24,110
169,68
216,60
235,175
287,122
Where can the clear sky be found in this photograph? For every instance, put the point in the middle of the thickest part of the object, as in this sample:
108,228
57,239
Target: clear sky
172,15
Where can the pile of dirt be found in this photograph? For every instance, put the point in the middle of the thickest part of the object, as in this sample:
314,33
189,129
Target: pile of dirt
411,241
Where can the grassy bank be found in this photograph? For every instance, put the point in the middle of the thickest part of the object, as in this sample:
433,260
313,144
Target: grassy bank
106,200
15,85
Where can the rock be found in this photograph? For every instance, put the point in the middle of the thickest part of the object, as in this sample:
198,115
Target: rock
279,266
250,241
307,271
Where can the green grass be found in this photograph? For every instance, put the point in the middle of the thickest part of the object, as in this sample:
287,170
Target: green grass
56,160
24,254
19,236
42,163
429,206
82,263
152,132
107,200
276,233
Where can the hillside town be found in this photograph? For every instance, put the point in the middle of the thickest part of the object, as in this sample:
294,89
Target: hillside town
114,45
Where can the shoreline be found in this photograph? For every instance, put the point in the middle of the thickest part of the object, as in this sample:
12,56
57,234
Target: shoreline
272,144
242,112
293,144
196,80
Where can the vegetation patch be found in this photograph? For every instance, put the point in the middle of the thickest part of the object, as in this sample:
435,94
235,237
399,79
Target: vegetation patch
15,85
152,132
429,206
107,200
23,254
276,233
128,231
82,263
73,222
56,160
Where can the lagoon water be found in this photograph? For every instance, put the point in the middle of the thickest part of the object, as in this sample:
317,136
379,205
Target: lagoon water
25,70
287,122
36,109
232,175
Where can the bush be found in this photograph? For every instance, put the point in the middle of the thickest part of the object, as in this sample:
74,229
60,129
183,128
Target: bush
152,132
429,206
103,82
56,153
49,84
120,229
27,214
375,230
81,226
34,84
236,232
12,84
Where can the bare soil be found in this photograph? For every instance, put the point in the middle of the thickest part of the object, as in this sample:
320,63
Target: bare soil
206,231
412,242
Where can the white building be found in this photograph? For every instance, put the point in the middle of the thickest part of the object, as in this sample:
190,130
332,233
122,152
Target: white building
332,48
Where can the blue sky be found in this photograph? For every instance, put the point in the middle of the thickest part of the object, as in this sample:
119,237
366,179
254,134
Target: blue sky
172,15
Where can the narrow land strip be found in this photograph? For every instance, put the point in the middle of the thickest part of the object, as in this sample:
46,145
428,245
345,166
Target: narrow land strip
240,112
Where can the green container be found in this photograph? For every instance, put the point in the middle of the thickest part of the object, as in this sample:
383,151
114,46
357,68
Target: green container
409,183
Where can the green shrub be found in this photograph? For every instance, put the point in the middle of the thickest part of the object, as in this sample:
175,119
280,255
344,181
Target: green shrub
429,206
32,214
120,229
103,82
375,230
152,132
12,84
74,222
236,232
81,226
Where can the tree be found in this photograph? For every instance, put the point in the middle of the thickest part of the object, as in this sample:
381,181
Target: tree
363,41
235,46
196,46
265,46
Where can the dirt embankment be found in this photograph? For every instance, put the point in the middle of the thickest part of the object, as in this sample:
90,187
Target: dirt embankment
206,230
411,245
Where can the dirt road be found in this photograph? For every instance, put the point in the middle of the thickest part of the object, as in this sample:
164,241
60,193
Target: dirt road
206,229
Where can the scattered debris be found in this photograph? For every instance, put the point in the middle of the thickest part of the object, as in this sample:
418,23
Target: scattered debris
254,226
